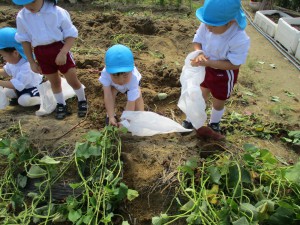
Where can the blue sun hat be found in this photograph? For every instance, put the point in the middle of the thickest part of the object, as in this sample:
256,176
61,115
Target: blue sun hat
221,12
22,2
118,59
7,40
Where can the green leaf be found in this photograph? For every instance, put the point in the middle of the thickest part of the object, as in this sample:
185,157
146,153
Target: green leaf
282,216
107,219
125,223
275,99
5,147
36,172
73,215
250,210
5,151
194,218
81,150
293,173
294,134
74,185
187,206
121,192
160,220
132,194
48,160
93,136
250,148
21,180
241,221
21,144
267,157
32,195
215,174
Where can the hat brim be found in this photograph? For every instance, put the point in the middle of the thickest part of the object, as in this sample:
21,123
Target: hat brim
199,15
240,19
22,2
124,69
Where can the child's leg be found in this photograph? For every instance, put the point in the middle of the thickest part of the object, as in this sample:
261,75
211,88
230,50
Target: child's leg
61,107
10,93
55,81
72,79
216,114
205,93
26,100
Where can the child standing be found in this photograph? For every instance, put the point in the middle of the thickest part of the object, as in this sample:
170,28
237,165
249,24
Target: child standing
120,75
49,30
225,47
23,82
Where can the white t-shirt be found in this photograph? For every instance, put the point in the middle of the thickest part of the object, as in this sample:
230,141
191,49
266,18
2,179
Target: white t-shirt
22,75
232,45
51,24
132,88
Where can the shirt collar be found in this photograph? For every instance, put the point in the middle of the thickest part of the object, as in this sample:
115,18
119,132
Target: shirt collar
45,8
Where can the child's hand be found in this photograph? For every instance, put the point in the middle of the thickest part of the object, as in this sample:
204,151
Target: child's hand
113,121
35,67
199,60
61,59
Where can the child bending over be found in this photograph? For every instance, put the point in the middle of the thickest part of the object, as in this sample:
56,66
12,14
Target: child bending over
120,75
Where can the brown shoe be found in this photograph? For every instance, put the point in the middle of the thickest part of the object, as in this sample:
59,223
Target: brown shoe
207,132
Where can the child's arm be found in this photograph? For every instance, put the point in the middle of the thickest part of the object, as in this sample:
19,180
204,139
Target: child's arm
7,84
197,46
130,106
109,105
3,73
28,52
61,58
218,64
3,83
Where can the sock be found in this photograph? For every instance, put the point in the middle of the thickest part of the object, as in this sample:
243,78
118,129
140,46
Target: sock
216,115
80,94
60,98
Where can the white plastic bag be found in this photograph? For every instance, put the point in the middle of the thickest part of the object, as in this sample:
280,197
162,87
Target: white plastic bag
191,101
48,102
143,123
3,99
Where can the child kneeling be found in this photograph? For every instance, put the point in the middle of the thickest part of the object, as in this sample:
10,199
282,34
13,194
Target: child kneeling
22,87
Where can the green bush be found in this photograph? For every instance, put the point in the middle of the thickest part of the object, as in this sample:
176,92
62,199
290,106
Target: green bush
289,4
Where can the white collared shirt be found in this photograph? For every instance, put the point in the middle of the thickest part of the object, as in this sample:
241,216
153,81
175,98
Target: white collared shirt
51,24
22,77
232,45
132,88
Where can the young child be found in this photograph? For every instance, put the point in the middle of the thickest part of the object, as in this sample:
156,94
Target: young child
225,47
49,30
22,85
120,75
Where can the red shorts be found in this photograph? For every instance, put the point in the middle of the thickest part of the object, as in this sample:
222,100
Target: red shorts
46,55
220,82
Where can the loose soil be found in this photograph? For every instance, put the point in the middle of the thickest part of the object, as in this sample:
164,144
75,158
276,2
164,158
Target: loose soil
160,41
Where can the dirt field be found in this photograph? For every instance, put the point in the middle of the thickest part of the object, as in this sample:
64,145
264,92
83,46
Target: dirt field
160,41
